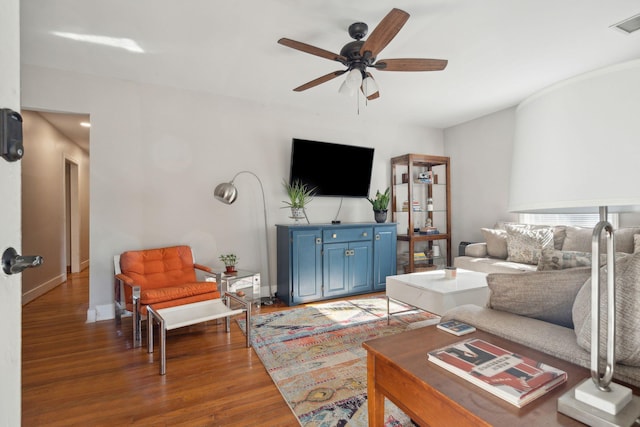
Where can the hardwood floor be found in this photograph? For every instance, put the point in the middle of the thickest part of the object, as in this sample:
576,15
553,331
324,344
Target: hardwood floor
77,373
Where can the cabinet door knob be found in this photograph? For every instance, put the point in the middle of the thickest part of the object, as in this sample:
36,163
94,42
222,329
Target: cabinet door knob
377,237
364,234
334,235
318,241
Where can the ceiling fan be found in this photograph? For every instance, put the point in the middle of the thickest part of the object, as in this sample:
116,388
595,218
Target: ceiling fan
360,54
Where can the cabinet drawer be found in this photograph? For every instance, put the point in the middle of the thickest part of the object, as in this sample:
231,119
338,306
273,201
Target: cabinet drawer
347,235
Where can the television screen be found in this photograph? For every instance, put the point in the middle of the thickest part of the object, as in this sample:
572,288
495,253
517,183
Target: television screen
332,169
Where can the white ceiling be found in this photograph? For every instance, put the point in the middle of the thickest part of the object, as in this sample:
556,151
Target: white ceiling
499,51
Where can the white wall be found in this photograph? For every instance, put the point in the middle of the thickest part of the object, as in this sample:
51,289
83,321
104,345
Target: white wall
43,203
480,152
10,307
157,154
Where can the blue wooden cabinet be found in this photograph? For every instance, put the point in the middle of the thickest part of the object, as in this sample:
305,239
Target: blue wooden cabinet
318,262
384,252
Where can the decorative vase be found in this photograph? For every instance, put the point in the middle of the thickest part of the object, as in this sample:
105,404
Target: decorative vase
230,268
380,215
297,213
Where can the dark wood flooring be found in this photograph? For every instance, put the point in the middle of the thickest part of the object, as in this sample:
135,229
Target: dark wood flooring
88,374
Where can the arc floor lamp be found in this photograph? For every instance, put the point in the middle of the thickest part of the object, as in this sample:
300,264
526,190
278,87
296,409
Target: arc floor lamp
576,150
227,193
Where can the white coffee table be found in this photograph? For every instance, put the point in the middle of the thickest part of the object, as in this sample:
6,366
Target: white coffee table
191,314
430,291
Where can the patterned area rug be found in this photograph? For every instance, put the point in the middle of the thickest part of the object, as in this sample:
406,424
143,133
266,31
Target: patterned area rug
315,357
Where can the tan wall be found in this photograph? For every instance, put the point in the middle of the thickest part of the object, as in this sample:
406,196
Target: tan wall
43,203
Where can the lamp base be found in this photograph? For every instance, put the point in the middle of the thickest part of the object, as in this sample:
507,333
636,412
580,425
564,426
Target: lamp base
611,401
569,405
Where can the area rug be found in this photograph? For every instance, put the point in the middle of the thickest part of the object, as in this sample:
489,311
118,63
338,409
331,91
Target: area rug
315,357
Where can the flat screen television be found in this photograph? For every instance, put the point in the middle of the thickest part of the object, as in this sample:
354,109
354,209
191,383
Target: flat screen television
335,170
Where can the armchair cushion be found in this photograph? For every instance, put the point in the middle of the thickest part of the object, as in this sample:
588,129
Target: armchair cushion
153,268
156,295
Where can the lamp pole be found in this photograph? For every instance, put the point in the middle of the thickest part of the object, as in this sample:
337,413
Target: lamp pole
227,193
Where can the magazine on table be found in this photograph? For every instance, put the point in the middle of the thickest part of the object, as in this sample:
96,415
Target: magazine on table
512,377
456,327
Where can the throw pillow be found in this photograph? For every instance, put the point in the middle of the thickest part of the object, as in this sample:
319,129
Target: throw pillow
525,246
627,288
625,239
552,259
636,243
559,231
546,295
496,242
579,239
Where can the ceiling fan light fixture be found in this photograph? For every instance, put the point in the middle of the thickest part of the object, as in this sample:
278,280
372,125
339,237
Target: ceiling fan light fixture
352,83
354,78
346,89
369,85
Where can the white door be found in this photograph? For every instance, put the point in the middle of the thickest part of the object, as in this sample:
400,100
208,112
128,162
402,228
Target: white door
10,229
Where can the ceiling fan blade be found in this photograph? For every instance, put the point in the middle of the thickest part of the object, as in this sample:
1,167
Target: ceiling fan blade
307,48
384,32
320,80
411,64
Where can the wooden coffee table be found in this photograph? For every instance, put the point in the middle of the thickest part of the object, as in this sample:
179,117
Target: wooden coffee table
398,370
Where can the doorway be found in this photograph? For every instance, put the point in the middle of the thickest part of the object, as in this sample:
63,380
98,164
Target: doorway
55,198
72,216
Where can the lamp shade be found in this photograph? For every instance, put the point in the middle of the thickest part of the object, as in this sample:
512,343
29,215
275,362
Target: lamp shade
369,85
577,145
226,192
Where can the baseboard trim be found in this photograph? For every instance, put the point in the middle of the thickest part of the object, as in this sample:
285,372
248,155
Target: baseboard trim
101,312
42,289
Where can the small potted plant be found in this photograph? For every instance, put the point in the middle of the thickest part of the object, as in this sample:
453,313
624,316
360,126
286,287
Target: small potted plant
230,261
299,196
380,204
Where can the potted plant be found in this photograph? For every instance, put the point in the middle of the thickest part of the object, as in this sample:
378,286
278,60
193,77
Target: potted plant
230,261
380,204
299,196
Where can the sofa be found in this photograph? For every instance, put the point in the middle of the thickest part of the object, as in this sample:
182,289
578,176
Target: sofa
519,248
550,311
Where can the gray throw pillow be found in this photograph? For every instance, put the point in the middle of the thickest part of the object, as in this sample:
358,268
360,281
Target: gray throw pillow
625,239
525,245
559,231
552,259
544,295
496,242
627,288
636,243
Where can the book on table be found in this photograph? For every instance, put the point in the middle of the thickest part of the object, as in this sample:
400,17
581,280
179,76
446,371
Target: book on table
512,377
456,327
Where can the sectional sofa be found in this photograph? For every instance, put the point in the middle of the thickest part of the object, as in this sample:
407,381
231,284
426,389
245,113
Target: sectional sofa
517,248
545,302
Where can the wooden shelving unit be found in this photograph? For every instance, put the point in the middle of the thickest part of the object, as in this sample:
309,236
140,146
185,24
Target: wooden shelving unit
421,206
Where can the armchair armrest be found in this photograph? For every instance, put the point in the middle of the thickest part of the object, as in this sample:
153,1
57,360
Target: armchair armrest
203,268
128,281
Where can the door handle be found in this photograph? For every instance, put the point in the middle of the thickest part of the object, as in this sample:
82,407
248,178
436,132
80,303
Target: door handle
13,263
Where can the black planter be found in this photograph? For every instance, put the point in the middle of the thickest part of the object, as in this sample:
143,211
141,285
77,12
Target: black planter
380,216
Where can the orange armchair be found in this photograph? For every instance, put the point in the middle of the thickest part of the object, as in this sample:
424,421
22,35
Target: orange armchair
162,277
